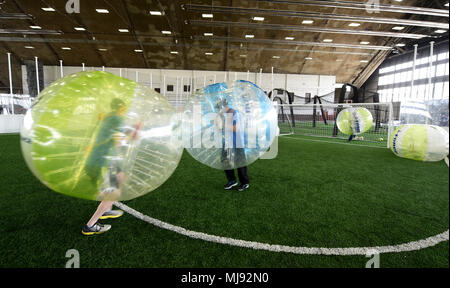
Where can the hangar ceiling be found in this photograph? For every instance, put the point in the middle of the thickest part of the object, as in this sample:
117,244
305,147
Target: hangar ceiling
339,38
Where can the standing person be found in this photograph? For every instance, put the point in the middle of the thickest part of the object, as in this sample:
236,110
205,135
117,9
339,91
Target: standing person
234,136
97,160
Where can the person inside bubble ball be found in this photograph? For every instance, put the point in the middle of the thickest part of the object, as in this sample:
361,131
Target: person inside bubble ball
99,159
354,125
233,151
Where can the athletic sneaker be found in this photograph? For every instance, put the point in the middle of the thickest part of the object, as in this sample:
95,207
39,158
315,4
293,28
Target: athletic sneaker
230,185
243,187
112,214
97,228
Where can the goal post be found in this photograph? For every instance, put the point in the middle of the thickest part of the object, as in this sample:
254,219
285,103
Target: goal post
319,120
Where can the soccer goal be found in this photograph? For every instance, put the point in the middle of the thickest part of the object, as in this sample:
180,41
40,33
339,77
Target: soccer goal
319,120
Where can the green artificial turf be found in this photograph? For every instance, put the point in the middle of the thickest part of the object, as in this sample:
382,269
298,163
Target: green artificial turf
314,194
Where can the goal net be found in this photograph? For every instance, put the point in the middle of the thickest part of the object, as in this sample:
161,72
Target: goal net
319,120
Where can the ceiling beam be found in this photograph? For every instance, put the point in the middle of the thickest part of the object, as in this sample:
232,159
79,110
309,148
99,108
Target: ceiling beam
291,42
363,6
30,32
15,16
297,28
316,15
187,46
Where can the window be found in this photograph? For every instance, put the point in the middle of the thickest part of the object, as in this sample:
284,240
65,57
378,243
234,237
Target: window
395,80
440,70
389,79
387,69
421,90
187,88
442,56
438,90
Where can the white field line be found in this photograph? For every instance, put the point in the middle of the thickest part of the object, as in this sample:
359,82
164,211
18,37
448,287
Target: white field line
405,247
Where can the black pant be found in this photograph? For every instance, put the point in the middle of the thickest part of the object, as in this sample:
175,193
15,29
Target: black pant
242,174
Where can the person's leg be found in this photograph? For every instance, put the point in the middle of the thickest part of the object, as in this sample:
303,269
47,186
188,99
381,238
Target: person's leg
103,207
116,182
231,177
243,175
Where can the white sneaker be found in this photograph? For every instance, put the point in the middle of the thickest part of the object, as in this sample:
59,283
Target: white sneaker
97,228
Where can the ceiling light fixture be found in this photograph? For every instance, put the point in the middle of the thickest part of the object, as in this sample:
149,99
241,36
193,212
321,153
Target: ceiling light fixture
257,18
209,53
165,32
249,36
440,31
102,11
156,13
354,24
398,28
80,29
66,48
327,40
206,15
208,34
124,30
307,22
35,27
48,9
289,38
364,42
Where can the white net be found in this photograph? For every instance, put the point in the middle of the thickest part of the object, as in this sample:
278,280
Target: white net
319,120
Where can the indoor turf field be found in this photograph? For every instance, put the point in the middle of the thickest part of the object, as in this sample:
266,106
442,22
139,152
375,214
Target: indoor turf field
316,193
